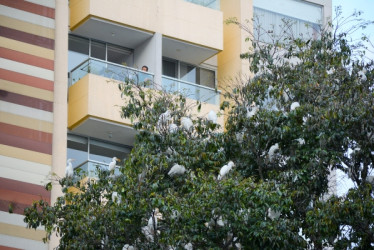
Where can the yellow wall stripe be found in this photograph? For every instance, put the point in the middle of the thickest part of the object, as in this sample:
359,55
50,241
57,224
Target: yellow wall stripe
24,154
26,90
27,48
23,232
27,27
26,122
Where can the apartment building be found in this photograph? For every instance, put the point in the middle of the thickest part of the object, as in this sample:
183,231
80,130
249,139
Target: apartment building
57,57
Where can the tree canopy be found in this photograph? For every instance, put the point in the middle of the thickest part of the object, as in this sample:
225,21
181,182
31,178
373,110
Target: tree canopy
307,112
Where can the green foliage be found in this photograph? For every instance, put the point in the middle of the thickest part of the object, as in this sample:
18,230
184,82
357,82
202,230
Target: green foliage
307,111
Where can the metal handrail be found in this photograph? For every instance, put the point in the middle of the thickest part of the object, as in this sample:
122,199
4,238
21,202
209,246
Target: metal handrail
191,83
110,63
91,161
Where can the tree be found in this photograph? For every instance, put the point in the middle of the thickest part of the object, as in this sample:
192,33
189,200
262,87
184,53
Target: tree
307,111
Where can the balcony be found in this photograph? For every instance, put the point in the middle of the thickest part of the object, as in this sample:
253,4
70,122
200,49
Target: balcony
191,90
109,70
123,73
94,101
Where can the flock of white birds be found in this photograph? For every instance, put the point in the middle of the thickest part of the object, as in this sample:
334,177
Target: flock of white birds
177,170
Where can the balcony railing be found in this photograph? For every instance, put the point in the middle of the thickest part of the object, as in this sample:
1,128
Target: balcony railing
89,169
109,70
213,4
123,73
191,90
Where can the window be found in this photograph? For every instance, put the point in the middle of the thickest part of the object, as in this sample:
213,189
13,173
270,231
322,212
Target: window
98,50
269,18
188,72
169,68
81,49
119,55
89,152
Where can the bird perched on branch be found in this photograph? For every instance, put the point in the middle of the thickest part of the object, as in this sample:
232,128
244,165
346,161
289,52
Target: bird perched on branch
69,172
177,170
173,128
186,123
225,170
272,151
212,117
294,105
163,120
112,164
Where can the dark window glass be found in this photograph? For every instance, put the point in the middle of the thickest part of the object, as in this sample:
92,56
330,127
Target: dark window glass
77,149
98,50
169,68
119,55
104,152
79,44
206,77
78,51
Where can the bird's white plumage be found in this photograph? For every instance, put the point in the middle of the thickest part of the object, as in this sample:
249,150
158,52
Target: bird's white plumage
128,247
186,123
252,112
212,116
295,105
112,164
177,170
239,136
188,246
116,198
301,141
173,128
225,170
273,214
272,150
361,74
69,171
163,119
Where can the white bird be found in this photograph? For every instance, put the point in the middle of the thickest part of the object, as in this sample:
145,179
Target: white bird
188,246
177,170
212,116
252,112
273,214
225,170
163,119
301,141
173,128
272,150
147,233
116,197
69,171
186,123
362,76
239,136
285,95
112,164
128,247
220,222
295,105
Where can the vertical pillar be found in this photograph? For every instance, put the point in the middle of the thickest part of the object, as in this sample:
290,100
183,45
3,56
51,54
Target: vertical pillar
230,66
158,59
59,139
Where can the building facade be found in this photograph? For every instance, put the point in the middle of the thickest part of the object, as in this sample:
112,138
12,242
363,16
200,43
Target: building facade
58,55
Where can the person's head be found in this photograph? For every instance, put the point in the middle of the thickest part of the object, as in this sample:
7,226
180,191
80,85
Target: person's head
145,68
